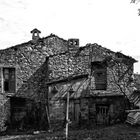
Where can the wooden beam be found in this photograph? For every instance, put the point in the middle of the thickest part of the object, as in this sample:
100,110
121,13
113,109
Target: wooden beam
67,79
134,110
2,80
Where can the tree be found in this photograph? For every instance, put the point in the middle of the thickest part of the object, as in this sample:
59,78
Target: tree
121,71
136,2
3,113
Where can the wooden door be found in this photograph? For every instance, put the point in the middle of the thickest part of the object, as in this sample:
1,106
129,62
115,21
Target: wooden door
102,116
74,111
18,112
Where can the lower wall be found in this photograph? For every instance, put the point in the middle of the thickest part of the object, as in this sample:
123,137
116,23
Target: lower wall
106,110
98,110
34,116
93,110
57,114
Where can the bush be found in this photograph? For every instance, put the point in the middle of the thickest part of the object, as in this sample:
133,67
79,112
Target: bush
3,115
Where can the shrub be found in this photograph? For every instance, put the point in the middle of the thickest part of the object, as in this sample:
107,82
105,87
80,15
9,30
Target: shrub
3,115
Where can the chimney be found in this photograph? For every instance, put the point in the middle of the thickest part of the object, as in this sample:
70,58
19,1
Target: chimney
73,42
35,34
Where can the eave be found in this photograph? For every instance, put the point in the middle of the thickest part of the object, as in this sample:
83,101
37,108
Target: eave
67,79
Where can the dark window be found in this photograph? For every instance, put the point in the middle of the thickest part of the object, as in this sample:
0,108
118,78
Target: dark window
102,114
9,79
100,73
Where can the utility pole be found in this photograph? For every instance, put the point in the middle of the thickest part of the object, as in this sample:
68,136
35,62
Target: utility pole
67,111
68,96
67,116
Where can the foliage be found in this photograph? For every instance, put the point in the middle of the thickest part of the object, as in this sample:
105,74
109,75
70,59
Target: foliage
136,2
121,70
121,76
3,115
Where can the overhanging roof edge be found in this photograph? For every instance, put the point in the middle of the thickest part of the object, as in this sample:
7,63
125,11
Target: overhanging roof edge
68,79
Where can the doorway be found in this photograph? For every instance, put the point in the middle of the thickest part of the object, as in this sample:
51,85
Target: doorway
102,114
18,112
74,111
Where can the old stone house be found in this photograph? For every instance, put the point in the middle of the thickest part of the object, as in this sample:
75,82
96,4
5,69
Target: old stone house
36,76
100,79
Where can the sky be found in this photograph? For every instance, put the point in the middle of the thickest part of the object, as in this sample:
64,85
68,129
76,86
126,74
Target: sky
113,24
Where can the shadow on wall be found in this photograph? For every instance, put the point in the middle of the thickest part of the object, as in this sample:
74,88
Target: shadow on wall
35,91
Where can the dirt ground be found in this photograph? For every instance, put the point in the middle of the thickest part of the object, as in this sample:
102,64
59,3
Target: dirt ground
114,132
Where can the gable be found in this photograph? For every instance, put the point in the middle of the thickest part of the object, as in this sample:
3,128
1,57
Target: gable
31,64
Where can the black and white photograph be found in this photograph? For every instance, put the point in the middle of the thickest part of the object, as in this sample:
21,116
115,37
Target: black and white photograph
69,70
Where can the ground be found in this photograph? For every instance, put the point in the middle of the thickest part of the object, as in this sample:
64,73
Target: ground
114,132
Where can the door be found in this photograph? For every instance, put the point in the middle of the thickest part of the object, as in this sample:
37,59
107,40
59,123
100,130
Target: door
74,111
18,112
102,116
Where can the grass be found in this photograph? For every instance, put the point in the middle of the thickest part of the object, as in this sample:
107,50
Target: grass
114,132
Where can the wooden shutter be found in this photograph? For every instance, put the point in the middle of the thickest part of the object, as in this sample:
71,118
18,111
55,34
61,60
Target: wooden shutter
9,79
100,79
100,74
12,80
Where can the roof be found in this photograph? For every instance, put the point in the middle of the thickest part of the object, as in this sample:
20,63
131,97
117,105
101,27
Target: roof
35,31
79,87
30,42
95,45
119,54
67,79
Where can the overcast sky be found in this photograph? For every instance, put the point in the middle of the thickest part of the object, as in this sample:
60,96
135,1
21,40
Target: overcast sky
114,24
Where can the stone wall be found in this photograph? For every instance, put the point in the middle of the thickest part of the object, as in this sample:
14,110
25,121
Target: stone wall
66,65
115,105
29,59
31,63
78,62
34,69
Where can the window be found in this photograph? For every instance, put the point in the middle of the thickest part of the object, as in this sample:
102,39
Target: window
9,80
102,114
100,75
35,34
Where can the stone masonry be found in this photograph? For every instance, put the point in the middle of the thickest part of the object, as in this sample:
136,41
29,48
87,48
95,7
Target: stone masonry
31,63
48,59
